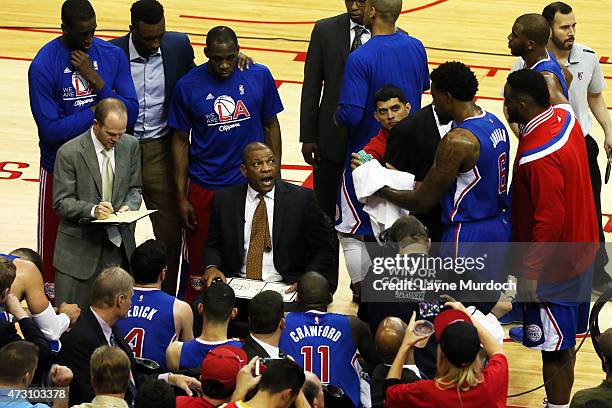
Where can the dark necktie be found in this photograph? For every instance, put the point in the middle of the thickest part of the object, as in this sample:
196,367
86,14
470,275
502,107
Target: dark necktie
131,385
359,30
259,242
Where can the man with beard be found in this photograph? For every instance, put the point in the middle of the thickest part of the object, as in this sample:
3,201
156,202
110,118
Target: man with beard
586,93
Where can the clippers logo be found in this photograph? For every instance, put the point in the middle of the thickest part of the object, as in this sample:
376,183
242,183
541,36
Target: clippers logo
81,85
533,333
50,290
197,282
229,111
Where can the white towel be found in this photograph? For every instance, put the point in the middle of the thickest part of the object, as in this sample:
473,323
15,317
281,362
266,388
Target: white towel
371,177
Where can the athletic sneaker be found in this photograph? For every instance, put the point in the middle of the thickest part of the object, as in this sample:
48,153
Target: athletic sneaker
513,316
516,334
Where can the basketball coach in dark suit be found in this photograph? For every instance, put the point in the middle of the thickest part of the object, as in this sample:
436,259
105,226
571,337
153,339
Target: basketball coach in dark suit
95,327
95,174
267,229
158,59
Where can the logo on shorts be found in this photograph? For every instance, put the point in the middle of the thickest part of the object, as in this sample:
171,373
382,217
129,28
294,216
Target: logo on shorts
197,282
50,290
580,75
533,333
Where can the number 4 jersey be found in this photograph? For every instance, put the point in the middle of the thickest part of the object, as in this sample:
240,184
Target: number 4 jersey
323,344
149,327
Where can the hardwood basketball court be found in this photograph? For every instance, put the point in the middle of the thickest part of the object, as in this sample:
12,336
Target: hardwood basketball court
276,34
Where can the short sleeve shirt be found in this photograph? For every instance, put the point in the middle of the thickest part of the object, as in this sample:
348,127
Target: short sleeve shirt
583,63
223,115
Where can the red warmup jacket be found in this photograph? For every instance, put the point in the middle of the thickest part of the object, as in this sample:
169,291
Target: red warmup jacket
552,199
378,144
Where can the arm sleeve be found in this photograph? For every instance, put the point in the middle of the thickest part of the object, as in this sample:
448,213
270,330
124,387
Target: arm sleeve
546,188
272,104
353,93
598,82
123,88
53,128
311,89
65,200
496,374
376,146
399,395
179,116
52,325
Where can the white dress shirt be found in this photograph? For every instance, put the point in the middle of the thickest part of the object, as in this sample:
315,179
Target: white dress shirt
364,37
106,329
268,272
270,349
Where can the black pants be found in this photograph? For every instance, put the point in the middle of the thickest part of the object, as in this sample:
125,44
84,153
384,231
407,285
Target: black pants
327,177
600,276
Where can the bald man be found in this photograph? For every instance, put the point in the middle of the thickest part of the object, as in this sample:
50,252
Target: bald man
388,339
330,351
528,40
95,175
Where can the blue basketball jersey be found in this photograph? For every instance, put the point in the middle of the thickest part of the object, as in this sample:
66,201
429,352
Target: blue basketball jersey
323,343
550,64
149,327
481,192
194,351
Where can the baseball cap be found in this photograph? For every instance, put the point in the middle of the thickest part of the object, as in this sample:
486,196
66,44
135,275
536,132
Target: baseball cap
457,336
221,365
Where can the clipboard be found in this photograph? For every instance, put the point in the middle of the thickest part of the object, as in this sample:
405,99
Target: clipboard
126,217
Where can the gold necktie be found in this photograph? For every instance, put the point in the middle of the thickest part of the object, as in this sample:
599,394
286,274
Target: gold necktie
260,240
107,177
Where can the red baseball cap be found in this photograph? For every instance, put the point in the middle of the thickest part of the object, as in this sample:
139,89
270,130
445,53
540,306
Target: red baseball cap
447,318
222,364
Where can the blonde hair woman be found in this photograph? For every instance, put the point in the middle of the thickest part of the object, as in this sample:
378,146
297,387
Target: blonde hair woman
460,381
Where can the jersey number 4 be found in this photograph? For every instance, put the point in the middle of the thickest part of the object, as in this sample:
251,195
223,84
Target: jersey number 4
135,339
323,352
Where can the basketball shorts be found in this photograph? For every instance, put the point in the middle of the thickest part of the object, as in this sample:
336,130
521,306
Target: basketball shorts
554,326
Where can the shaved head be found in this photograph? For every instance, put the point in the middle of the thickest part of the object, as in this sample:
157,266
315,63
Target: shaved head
387,10
389,336
251,147
313,290
535,28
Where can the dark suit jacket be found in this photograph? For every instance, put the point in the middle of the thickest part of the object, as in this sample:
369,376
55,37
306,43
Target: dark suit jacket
177,57
252,349
412,147
327,53
31,333
301,233
78,344
325,59
77,188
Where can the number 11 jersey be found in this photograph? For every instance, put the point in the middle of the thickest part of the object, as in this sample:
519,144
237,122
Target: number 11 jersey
323,344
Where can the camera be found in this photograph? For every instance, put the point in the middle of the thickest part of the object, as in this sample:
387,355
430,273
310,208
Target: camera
262,364
429,310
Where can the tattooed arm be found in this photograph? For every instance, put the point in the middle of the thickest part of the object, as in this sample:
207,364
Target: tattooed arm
457,152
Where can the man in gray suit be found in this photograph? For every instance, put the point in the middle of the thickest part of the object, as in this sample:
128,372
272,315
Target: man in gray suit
95,174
